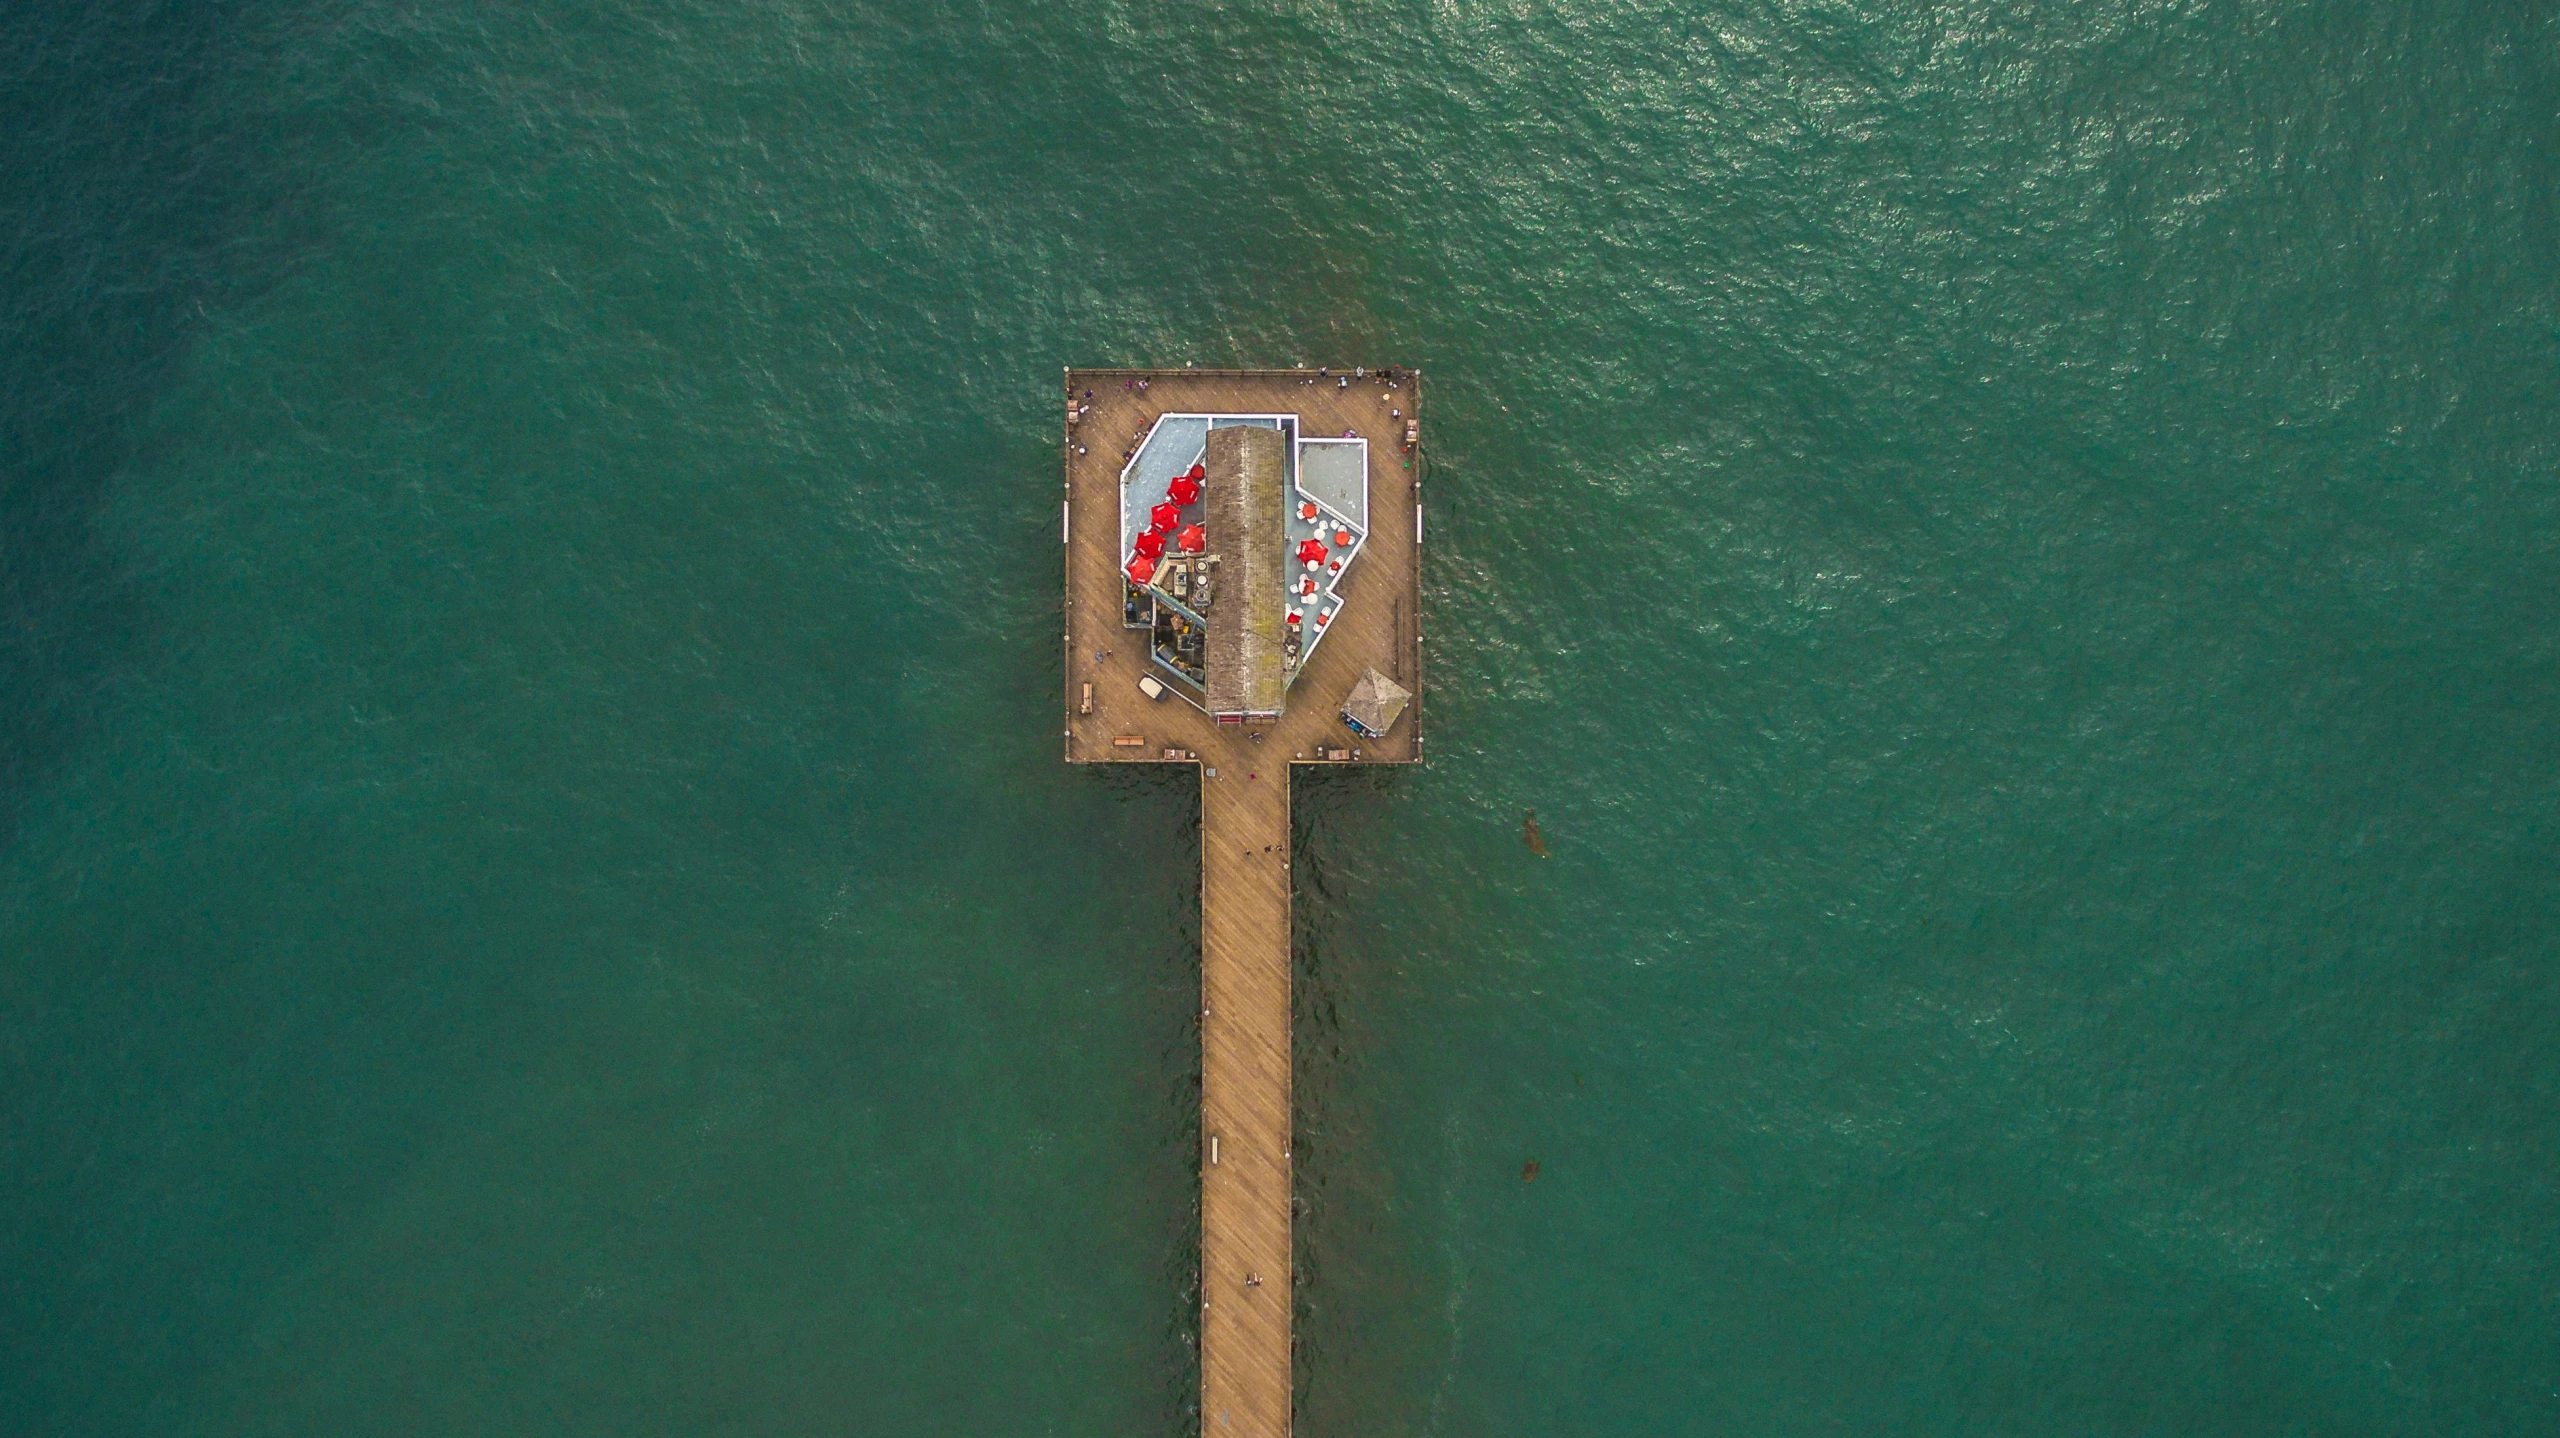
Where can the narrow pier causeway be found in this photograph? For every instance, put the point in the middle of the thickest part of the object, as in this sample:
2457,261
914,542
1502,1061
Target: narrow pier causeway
1242,582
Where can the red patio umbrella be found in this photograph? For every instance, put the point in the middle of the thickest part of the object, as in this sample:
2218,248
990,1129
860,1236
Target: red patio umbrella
1198,472
1193,539
1307,511
1163,517
1150,544
1141,569
1183,490
1311,551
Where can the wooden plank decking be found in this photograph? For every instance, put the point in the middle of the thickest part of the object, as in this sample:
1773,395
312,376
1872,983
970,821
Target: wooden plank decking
1246,1370
1379,623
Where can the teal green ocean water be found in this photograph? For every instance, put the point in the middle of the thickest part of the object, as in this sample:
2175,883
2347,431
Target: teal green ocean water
2011,546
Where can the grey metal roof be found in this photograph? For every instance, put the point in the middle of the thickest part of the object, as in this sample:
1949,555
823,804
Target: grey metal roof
1376,702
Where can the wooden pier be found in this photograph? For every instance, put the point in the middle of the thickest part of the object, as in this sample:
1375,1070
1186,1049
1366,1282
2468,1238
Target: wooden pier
1247,1293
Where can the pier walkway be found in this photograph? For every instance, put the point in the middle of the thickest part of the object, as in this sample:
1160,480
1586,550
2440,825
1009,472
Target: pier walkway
1245,1381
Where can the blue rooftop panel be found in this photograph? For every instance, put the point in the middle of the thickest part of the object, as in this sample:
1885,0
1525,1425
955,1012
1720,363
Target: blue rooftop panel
1173,446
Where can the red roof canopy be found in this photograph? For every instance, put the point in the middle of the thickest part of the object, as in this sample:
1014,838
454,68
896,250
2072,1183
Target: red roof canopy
1150,543
1163,517
1183,490
1193,539
1141,569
